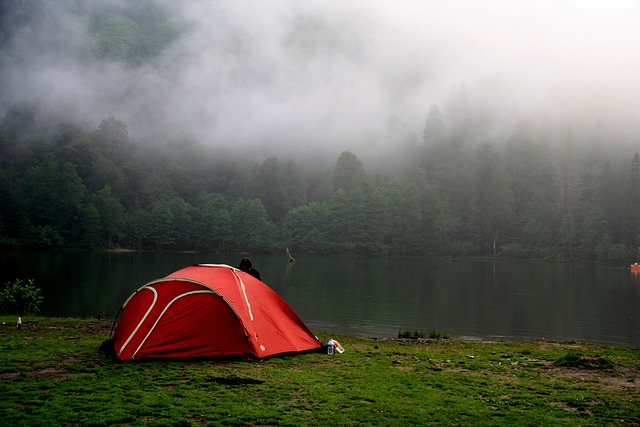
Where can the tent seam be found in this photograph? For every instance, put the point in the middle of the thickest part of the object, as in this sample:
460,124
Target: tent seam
244,293
165,310
155,299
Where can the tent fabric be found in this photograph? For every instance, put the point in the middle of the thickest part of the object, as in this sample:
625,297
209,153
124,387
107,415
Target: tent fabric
208,310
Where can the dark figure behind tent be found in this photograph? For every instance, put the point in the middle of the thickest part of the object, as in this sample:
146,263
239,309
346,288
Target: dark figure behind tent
245,265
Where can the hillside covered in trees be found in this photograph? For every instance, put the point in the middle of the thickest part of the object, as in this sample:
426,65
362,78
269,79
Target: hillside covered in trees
471,179
66,186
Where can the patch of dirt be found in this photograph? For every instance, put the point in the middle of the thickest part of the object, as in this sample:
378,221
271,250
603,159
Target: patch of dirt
5,376
615,379
43,374
49,373
95,326
569,408
233,381
89,327
567,345
612,379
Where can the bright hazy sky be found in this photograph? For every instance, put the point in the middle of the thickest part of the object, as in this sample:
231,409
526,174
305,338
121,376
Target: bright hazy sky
330,74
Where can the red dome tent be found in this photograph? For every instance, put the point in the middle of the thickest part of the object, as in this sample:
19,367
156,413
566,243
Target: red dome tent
208,311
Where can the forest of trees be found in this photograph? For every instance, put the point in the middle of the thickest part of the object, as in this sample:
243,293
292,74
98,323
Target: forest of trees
454,190
65,186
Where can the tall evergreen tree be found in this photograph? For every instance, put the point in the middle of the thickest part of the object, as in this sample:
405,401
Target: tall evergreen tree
113,138
568,189
111,215
55,196
632,204
349,172
215,224
271,188
433,132
492,202
252,230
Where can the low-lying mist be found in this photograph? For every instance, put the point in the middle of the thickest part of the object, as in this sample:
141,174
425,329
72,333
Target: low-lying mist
311,79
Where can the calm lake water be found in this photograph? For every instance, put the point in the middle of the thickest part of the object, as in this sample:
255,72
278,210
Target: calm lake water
375,297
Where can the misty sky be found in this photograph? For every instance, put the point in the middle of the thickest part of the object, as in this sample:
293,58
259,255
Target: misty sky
330,74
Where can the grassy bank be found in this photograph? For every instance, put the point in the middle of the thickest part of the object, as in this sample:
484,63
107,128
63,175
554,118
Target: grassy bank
52,374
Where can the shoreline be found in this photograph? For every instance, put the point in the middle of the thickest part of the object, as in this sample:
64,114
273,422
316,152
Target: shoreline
93,324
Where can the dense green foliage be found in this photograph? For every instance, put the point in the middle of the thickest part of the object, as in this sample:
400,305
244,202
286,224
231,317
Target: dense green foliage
67,186
20,297
540,193
52,374
132,33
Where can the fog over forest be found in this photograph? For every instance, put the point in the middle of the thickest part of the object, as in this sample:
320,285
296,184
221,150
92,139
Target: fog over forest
456,128
303,78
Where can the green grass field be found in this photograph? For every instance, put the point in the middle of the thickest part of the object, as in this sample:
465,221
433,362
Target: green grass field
51,374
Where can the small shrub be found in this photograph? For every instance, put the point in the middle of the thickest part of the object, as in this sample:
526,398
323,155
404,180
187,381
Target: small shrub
420,334
573,360
438,334
20,298
411,334
569,360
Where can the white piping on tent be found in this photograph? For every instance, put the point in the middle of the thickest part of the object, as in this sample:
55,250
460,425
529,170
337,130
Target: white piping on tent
182,279
246,300
242,287
217,265
155,298
244,293
164,311
209,290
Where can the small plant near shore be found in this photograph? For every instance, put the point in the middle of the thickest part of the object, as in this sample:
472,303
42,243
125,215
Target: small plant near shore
411,334
438,335
20,298
415,334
